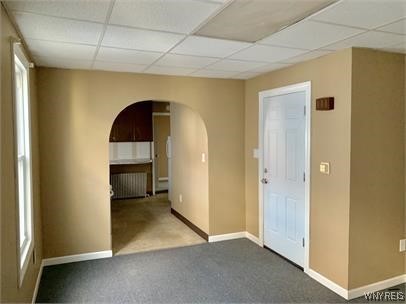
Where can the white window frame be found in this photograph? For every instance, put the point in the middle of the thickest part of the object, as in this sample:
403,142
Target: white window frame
23,159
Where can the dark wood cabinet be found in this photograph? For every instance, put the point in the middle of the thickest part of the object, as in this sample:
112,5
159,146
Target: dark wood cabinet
134,123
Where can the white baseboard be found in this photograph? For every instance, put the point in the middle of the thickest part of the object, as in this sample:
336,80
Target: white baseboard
78,257
341,291
163,179
34,295
254,239
225,237
360,291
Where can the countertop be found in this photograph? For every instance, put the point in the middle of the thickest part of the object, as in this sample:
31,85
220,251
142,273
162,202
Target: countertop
130,161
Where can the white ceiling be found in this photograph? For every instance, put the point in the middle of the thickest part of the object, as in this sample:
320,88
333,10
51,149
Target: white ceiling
157,37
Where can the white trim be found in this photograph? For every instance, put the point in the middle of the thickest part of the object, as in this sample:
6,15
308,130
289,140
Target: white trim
328,283
78,258
225,237
300,87
360,291
254,239
163,179
34,296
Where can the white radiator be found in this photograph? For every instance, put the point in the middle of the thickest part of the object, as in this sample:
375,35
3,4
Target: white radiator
126,185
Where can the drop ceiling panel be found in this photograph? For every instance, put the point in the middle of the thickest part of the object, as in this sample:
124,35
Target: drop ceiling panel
246,75
374,40
253,20
77,9
310,35
63,63
396,27
57,29
180,16
41,48
267,53
365,14
165,70
236,65
307,56
185,61
127,56
270,67
201,46
128,38
213,74
118,67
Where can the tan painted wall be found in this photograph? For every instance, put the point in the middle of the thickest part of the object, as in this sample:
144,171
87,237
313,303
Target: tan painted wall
9,270
330,141
77,109
162,130
377,167
190,176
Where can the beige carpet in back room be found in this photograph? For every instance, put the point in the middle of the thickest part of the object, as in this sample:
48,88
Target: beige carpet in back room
147,224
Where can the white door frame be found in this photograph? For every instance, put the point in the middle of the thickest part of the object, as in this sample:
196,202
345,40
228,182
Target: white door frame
300,87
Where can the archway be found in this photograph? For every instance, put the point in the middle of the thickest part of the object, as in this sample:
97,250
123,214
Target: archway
146,215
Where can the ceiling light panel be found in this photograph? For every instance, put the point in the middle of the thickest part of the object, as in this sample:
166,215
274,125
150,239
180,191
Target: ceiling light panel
88,10
267,53
185,61
236,65
63,63
57,29
128,38
60,50
252,20
165,70
310,35
374,40
213,74
201,46
365,14
179,16
127,56
118,67
396,27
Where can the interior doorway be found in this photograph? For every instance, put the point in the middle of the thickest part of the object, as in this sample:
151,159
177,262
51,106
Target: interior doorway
151,206
284,169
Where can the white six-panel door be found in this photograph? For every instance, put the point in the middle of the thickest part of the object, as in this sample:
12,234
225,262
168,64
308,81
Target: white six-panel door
283,172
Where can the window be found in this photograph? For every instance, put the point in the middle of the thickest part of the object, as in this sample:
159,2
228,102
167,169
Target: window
23,159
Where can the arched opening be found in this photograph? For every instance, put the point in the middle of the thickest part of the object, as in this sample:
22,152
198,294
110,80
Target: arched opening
158,154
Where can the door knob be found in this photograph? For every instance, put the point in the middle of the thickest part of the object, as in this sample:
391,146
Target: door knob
264,180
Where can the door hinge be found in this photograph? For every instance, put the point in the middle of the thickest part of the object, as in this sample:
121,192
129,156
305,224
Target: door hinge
304,176
303,242
304,110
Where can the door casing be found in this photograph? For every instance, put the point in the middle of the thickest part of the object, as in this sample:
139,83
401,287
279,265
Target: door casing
299,87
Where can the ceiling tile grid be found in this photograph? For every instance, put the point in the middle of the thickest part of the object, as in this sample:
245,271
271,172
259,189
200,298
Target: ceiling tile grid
159,37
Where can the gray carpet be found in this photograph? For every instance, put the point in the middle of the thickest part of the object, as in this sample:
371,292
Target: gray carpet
230,271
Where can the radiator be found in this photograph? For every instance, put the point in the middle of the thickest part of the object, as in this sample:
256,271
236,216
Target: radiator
126,185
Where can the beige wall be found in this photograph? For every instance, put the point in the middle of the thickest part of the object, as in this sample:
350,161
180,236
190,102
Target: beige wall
9,264
190,176
330,141
77,109
377,167
162,130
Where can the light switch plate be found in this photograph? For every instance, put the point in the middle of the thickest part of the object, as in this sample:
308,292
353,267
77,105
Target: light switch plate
256,153
402,246
325,167
203,157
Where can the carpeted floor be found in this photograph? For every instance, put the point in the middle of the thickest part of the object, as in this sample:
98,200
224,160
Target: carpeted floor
147,224
235,271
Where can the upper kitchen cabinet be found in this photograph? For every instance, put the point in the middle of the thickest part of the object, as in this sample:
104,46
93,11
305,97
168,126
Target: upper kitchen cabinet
134,123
